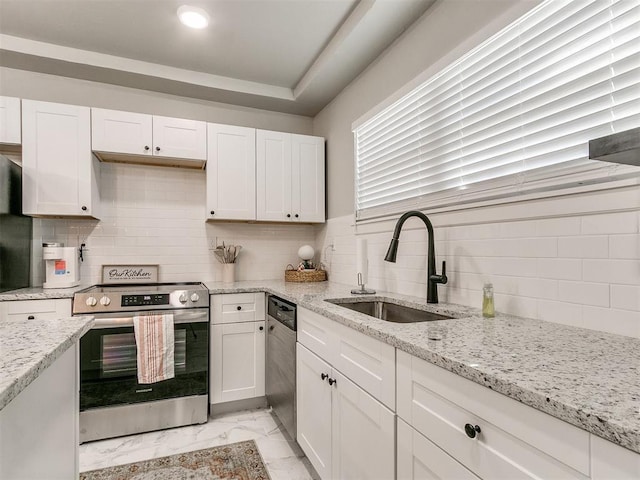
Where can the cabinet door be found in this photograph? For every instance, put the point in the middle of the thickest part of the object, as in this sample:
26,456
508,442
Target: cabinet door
273,176
421,459
237,361
307,188
10,120
610,461
313,410
120,132
231,172
57,169
363,433
179,138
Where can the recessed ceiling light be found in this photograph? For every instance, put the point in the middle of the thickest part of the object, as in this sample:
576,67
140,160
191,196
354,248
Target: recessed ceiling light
193,17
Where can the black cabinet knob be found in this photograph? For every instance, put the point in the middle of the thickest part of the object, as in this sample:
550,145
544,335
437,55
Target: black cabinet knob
296,215
157,149
146,148
31,317
271,328
239,307
84,208
213,212
261,328
288,215
471,430
324,376
332,381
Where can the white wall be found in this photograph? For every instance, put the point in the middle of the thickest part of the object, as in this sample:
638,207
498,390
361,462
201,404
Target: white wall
156,215
572,259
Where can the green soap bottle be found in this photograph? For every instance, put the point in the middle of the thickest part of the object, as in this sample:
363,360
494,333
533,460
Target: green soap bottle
488,308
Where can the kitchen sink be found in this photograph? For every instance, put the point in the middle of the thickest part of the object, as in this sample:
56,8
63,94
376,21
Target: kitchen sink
390,312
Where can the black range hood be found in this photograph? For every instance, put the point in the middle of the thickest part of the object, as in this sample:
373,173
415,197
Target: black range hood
623,147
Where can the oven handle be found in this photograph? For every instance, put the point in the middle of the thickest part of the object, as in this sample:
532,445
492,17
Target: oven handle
127,320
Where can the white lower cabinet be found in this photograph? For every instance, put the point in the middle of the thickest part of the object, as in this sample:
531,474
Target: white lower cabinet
237,361
237,369
490,434
50,309
344,431
39,428
613,462
421,459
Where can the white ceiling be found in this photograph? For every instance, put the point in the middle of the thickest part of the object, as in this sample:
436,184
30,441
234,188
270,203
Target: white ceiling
292,56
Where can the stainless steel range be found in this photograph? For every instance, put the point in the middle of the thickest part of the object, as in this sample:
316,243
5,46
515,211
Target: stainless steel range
112,402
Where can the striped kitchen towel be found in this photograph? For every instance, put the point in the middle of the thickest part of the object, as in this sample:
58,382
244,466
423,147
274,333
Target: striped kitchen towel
154,339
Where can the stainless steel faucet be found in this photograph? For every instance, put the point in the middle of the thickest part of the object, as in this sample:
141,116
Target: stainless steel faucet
432,278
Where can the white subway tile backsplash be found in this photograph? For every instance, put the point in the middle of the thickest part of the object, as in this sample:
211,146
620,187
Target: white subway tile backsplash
584,293
625,297
584,247
624,246
582,271
156,215
610,223
612,271
560,268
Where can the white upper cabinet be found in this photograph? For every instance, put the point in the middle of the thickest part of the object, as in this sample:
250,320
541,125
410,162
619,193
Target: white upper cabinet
231,172
59,172
307,187
123,132
10,121
290,177
141,138
179,138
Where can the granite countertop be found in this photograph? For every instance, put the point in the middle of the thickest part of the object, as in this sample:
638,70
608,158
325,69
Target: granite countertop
39,293
27,348
588,378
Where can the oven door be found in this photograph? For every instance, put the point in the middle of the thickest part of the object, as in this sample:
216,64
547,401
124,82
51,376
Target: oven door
108,363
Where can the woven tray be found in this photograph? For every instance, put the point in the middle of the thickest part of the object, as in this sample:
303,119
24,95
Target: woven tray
305,276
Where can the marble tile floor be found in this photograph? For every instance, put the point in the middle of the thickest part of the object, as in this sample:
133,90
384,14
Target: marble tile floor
282,456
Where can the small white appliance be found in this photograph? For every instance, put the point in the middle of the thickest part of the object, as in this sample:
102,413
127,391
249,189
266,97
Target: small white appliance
61,266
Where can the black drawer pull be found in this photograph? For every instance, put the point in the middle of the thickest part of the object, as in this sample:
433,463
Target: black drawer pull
261,328
31,317
332,381
239,307
471,430
324,376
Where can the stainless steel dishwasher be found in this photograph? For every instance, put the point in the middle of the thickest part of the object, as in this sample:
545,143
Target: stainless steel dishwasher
280,382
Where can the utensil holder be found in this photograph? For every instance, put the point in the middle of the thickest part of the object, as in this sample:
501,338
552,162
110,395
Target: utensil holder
228,272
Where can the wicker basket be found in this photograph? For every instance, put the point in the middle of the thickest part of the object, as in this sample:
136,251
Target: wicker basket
291,275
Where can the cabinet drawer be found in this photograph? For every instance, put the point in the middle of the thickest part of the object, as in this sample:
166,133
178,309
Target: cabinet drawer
315,332
237,307
367,362
37,309
516,441
420,459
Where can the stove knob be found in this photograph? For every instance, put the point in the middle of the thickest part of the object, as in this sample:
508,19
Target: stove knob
195,297
91,302
183,298
105,301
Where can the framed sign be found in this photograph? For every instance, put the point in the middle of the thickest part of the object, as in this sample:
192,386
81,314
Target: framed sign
129,274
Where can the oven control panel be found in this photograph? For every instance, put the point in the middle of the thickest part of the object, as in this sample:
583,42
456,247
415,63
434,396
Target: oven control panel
143,300
103,299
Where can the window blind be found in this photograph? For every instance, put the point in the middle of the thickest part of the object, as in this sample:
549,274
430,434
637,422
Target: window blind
512,116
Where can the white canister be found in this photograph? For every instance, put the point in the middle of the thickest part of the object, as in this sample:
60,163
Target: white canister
228,272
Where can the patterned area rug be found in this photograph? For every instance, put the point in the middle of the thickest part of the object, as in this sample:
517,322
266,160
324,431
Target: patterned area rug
237,461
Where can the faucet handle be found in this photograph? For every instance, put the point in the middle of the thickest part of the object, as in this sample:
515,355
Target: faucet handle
442,278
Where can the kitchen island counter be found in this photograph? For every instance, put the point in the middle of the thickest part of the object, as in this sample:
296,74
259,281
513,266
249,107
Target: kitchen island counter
27,348
588,378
